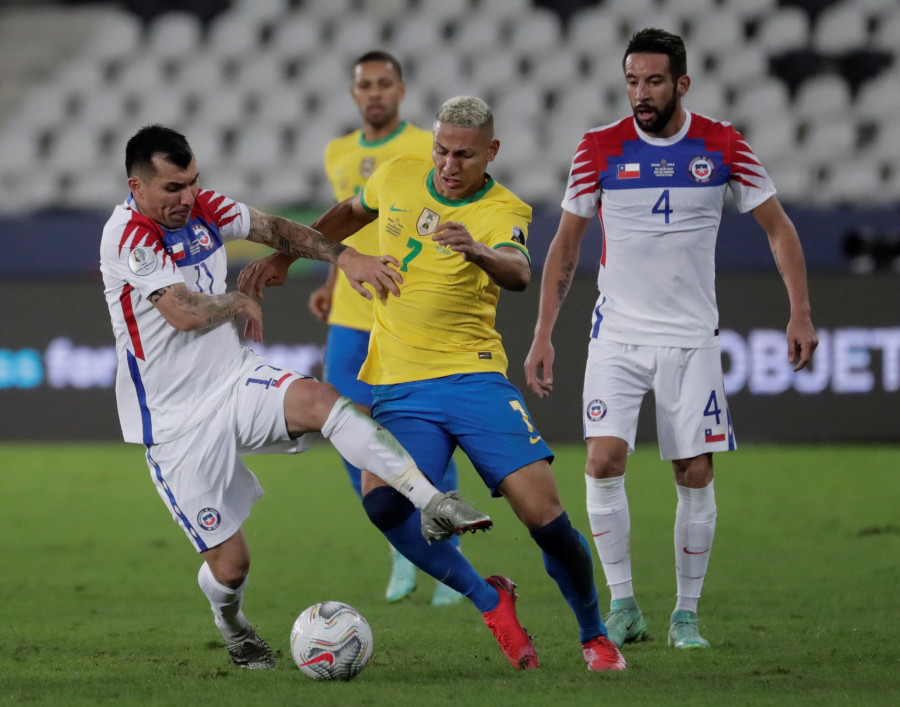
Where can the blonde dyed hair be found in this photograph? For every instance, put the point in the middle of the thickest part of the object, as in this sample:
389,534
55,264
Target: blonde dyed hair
465,112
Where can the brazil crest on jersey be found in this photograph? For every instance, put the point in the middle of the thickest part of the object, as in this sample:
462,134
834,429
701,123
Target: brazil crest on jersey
443,321
349,162
660,203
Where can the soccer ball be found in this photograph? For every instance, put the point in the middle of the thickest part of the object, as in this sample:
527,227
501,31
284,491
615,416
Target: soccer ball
331,641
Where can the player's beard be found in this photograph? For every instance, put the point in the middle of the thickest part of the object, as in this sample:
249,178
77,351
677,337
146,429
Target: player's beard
661,118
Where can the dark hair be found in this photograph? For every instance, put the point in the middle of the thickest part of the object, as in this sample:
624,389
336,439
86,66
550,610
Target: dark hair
378,55
658,41
152,140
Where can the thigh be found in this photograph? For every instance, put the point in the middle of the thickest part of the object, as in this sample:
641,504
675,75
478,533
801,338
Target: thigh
344,355
203,481
692,416
418,421
489,419
259,420
616,379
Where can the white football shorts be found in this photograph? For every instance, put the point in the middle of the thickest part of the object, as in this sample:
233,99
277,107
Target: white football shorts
691,410
201,477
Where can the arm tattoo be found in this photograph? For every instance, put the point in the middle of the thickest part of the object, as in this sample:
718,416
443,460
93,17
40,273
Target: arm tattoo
562,287
777,264
297,240
215,308
157,295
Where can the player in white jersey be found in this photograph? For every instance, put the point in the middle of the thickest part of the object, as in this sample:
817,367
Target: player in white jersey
197,399
657,180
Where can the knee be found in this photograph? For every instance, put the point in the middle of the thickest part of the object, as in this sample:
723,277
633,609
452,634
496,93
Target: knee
308,404
387,508
604,462
231,573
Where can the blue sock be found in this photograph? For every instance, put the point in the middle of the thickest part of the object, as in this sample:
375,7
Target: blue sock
567,559
400,522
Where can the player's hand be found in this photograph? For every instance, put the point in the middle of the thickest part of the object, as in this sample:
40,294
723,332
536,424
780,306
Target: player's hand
454,236
320,302
270,271
539,367
801,340
374,270
249,309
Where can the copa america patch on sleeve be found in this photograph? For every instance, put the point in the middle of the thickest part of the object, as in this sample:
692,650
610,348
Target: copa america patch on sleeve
142,260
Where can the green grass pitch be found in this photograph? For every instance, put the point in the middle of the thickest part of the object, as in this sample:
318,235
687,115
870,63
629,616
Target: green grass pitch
100,603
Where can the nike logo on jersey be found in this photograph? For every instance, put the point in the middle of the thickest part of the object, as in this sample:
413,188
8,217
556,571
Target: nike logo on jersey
534,440
397,208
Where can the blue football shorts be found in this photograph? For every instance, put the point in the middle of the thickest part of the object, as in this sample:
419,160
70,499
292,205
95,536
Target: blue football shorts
345,352
483,413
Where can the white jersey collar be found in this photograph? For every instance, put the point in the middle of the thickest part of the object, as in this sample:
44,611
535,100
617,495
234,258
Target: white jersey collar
666,140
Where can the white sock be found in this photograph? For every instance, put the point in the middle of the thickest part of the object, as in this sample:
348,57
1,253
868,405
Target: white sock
366,445
610,520
695,526
225,603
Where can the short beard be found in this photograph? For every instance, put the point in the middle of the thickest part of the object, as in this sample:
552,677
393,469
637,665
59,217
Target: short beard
658,123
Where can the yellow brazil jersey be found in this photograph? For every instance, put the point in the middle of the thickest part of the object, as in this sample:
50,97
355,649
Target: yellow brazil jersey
349,161
443,321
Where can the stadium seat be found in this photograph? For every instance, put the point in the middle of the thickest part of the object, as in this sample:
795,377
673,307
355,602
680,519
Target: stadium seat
707,98
771,139
782,29
297,35
174,35
384,9
595,30
117,35
328,9
839,28
829,141
356,34
473,33
417,35
536,33
750,9
233,36
445,10
824,97
887,30
260,10
852,182
718,32
738,66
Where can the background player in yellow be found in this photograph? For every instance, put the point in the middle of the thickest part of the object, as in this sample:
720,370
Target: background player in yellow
439,369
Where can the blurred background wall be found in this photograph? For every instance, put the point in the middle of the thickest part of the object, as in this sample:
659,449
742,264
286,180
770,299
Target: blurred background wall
259,87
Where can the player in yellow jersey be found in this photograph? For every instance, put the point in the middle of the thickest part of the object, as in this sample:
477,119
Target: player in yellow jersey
377,89
439,369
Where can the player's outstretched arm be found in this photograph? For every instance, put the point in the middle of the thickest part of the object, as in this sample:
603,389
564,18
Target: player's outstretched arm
788,253
344,219
190,311
559,269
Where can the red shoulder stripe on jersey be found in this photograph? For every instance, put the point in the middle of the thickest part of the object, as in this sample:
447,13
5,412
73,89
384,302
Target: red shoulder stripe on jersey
131,321
209,205
142,231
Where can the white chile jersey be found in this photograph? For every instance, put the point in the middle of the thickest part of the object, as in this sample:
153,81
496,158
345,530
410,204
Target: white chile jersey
169,380
660,202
